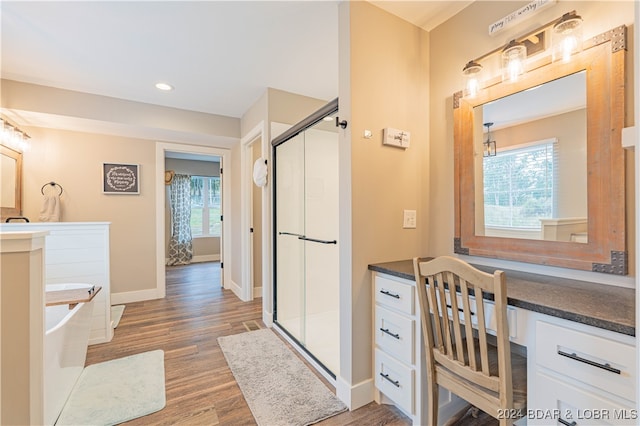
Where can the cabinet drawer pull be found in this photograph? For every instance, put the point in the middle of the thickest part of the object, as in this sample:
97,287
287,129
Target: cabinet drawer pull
566,423
387,293
386,330
461,310
573,356
393,382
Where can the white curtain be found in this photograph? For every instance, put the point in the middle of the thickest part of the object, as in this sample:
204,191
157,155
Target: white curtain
180,245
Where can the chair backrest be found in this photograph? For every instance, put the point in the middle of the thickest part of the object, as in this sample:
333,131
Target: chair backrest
450,322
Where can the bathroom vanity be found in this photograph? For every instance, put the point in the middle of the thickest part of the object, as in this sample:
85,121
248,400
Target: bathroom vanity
578,338
78,252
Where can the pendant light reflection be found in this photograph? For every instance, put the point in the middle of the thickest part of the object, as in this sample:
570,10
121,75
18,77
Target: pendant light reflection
471,73
488,146
513,57
566,37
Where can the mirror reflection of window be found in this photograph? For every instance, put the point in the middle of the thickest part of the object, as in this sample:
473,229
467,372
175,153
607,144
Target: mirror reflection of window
536,185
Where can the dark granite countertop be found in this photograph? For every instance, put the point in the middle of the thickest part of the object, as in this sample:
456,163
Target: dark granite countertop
604,306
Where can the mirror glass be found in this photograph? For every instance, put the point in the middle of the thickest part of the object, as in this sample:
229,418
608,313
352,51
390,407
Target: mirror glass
535,186
11,190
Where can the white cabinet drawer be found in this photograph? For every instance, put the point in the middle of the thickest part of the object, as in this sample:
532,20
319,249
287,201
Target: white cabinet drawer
489,315
556,399
394,294
597,361
394,334
395,380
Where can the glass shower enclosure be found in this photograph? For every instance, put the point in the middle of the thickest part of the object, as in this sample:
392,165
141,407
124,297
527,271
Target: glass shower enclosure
306,259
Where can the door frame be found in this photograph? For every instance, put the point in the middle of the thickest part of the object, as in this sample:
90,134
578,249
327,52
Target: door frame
246,208
225,162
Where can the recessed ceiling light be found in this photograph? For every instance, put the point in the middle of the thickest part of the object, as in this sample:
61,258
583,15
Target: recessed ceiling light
164,86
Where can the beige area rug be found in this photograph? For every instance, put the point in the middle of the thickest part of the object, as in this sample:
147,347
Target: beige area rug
278,387
116,315
116,391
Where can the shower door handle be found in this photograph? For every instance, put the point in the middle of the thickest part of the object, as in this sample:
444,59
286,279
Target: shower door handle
315,240
291,233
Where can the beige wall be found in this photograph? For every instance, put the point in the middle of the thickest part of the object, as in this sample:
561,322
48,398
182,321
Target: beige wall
388,86
22,333
452,47
74,160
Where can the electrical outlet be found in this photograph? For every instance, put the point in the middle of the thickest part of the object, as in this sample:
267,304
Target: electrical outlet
409,220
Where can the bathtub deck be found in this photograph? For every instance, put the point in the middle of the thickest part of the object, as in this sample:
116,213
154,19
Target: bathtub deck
71,297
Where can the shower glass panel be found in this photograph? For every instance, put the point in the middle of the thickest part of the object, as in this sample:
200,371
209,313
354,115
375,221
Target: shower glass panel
306,246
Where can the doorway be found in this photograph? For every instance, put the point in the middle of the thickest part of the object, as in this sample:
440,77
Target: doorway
219,156
203,172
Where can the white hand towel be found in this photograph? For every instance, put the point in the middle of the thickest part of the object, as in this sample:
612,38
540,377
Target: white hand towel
50,209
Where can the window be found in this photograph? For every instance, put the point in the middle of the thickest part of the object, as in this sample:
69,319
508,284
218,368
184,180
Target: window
205,206
519,186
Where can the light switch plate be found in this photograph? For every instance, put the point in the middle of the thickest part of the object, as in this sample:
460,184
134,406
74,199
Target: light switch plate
409,220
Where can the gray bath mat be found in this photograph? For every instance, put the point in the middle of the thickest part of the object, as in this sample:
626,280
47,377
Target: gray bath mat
115,391
278,387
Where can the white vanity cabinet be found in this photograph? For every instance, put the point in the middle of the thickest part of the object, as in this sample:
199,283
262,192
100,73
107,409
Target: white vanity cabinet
78,252
399,363
575,372
586,374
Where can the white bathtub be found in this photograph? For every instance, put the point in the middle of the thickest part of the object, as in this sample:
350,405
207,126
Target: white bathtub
65,350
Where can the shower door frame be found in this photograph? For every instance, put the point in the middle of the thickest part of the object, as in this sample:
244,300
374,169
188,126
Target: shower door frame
292,132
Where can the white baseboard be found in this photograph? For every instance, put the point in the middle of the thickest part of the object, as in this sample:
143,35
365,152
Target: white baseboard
267,318
206,258
236,289
355,396
257,292
134,296
200,259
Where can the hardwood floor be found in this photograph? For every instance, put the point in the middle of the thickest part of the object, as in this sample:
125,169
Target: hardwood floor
200,388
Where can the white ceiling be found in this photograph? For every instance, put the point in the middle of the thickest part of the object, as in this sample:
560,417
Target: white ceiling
219,55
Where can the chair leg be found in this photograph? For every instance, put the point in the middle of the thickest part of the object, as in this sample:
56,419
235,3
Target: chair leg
432,409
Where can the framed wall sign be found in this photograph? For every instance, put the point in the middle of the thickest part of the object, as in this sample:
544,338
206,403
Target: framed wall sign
120,178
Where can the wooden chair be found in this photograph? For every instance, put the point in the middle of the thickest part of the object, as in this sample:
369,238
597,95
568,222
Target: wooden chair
458,354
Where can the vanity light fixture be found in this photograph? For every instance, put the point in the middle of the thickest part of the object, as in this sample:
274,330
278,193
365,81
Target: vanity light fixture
12,137
471,73
513,57
566,37
566,41
488,146
164,87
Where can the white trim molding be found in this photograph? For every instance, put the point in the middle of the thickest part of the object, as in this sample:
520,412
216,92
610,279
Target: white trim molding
355,396
134,296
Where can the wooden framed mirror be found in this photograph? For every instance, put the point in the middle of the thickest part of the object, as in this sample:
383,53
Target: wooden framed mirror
11,190
593,239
